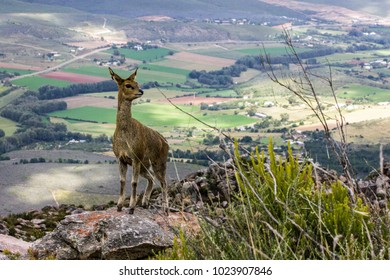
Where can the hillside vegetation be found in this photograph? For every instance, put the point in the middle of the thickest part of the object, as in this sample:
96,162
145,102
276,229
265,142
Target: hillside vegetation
281,211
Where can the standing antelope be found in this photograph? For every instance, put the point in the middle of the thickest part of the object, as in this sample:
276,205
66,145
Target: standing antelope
134,144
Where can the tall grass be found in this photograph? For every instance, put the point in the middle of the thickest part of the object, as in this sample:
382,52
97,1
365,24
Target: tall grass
281,212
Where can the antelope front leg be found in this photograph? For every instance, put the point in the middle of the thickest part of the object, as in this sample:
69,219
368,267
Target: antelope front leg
134,183
165,198
122,174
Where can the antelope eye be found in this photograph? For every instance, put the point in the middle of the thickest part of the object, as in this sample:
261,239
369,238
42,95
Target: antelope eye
129,86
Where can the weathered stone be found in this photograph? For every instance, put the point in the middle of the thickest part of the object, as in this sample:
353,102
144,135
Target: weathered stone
38,221
225,204
110,235
13,246
199,180
3,228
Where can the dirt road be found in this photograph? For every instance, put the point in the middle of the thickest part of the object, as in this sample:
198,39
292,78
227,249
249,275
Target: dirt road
63,64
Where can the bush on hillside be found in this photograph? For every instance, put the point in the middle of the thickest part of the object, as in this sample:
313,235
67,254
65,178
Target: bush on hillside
281,212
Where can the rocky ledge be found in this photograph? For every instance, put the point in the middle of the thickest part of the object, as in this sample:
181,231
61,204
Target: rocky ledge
69,232
106,234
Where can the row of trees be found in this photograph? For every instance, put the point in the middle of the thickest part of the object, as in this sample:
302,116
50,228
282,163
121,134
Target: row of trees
223,78
29,111
200,157
53,92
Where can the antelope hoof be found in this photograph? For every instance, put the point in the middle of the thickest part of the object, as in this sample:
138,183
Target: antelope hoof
145,206
119,208
131,211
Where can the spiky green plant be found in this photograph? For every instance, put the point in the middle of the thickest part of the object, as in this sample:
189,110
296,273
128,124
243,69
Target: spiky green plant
280,212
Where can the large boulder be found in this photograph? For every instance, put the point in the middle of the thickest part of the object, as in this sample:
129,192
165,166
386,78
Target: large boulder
112,235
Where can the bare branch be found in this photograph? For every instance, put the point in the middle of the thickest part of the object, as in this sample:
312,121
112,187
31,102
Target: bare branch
301,85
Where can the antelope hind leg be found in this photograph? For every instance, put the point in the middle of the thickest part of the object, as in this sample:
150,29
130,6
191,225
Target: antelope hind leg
122,173
134,184
145,200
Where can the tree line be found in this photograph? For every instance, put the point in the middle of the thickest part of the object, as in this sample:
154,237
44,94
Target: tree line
224,78
30,109
52,92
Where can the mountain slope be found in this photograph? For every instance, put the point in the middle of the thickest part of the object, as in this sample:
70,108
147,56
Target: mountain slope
375,7
180,9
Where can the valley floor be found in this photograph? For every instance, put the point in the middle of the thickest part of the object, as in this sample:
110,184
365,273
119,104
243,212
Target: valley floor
26,187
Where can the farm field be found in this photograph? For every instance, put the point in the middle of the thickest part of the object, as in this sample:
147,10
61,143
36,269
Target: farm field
192,61
359,115
155,115
35,82
370,132
364,93
238,51
145,74
148,55
170,66
90,100
15,71
95,129
8,126
16,67
73,78
4,100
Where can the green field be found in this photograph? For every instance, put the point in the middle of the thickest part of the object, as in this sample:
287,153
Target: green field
93,70
237,53
165,69
361,92
35,82
4,100
8,126
145,55
157,115
146,73
16,71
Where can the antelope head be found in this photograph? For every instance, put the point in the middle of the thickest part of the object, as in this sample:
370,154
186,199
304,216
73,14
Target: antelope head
128,88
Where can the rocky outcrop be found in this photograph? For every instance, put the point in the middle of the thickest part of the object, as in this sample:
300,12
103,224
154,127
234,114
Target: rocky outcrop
212,186
111,235
103,233
376,187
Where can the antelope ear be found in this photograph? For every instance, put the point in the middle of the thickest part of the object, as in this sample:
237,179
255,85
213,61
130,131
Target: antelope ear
115,77
132,76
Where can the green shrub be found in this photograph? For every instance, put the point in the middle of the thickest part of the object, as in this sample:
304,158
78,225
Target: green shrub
280,212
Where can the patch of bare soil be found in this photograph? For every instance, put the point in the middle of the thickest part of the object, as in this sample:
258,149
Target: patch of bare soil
81,101
19,66
73,77
156,18
201,59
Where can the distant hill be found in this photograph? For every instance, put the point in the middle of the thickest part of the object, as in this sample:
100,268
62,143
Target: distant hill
179,9
376,7
32,21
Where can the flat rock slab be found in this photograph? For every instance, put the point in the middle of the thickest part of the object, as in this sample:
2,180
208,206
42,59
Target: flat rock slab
111,235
